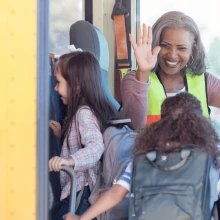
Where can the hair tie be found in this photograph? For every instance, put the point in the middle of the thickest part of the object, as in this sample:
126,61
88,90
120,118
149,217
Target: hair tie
72,48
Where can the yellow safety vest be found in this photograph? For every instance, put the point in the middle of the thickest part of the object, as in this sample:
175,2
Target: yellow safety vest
195,85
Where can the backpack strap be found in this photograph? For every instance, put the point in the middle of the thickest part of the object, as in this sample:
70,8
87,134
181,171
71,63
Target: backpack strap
77,124
79,139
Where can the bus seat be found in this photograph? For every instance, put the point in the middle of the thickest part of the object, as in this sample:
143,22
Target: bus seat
87,37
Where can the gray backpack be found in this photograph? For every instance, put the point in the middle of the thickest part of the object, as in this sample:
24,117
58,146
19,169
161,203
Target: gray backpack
175,186
118,153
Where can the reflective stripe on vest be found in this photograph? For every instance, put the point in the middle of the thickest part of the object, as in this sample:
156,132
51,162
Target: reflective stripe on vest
196,86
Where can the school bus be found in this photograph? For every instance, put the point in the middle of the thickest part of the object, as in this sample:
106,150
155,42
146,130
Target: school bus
30,30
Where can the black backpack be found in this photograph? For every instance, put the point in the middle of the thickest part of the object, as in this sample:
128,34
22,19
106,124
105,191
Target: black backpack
175,186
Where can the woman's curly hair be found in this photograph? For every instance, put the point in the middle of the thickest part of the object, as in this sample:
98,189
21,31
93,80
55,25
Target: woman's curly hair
181,124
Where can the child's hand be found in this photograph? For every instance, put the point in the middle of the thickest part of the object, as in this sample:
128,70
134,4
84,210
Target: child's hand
55,163
56,127
71,216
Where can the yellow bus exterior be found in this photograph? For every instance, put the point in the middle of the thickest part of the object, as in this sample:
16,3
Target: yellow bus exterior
18,24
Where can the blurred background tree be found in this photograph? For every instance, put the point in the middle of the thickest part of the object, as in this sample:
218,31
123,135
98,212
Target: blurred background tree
214,57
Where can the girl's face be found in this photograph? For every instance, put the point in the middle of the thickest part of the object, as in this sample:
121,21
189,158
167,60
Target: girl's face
61,86
176,48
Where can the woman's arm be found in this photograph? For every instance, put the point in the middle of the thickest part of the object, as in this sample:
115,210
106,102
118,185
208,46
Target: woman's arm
135,100
213,87
106,201
135,85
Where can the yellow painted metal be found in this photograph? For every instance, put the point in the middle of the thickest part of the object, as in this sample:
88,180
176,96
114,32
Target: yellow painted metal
18,109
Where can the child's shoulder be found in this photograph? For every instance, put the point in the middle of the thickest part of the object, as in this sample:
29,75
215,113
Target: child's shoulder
85,113
83,109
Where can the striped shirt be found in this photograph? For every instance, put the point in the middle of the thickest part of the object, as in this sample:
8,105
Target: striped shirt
125,179
86,158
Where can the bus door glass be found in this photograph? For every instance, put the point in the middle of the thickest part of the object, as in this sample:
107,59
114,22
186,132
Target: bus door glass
62,15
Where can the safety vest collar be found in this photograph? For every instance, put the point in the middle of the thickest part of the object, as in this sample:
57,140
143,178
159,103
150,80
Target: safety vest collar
194,84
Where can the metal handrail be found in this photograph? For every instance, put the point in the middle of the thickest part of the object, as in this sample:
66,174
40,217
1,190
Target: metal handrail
72,175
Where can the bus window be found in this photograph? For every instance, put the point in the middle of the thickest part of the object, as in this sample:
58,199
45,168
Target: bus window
206,16
62,15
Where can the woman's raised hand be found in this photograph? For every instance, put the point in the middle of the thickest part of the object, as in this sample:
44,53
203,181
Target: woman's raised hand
145,56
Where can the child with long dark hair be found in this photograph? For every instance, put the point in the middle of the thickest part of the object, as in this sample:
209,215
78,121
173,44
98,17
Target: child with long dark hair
181,125
79,83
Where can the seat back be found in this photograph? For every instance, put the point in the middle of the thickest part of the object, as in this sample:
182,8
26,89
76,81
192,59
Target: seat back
87,37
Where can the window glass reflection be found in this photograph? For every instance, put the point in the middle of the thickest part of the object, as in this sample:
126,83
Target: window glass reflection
62,15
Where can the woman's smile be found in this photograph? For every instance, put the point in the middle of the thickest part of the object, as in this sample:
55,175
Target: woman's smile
171,64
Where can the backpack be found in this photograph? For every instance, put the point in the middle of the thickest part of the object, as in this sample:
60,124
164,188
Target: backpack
118,141
174,186
118,153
